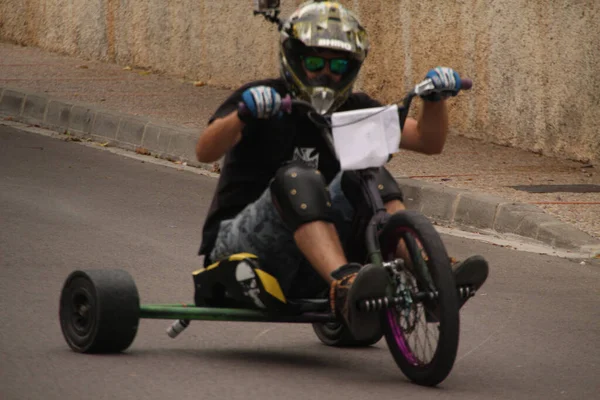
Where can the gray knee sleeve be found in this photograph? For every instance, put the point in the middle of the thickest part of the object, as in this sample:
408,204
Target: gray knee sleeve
300,195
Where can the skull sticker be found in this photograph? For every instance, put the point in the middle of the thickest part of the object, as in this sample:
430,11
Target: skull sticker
246,277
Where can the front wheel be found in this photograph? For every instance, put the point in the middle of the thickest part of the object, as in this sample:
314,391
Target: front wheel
422,330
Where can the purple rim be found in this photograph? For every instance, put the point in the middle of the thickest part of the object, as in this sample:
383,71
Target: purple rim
396,329
400,339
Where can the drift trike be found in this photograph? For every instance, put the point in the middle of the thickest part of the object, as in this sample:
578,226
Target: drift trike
100,309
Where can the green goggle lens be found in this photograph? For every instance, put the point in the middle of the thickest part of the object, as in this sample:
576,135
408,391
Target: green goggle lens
336,65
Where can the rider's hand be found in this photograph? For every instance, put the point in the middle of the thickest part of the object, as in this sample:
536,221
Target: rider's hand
446,82
259,102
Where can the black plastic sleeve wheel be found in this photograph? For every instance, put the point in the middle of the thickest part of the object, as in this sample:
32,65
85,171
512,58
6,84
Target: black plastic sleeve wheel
99,311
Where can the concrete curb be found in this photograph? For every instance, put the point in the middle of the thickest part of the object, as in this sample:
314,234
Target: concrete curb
477,211
89,121
442,204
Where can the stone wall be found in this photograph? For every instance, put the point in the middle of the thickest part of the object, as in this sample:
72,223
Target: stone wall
534,63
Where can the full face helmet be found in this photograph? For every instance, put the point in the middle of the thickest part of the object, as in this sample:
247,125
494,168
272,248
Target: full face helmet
321,26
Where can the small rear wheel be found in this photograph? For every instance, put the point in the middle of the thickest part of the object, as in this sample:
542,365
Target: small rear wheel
99,311
337,334
422,331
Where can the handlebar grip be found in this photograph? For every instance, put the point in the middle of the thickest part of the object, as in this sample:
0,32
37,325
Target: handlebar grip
243,111
286,104
466,83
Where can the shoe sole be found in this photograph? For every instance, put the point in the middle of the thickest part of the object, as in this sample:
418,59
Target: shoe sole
473,272
371,282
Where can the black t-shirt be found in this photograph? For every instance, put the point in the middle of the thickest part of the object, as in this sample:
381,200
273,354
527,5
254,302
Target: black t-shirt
265,146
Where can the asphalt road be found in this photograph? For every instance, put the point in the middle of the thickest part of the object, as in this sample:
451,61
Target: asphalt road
532,333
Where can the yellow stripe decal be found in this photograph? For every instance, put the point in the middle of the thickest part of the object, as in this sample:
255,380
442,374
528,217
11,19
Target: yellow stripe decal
211,266
241,256
235,257
271,285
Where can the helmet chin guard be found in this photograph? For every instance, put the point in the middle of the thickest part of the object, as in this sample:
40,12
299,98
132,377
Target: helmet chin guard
322,98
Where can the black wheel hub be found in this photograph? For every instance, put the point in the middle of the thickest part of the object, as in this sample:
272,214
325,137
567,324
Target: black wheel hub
78,314
81,312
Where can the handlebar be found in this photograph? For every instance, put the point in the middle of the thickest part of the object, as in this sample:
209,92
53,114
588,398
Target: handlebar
423,88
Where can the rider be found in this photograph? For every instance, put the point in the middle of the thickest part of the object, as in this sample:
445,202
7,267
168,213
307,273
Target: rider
280,195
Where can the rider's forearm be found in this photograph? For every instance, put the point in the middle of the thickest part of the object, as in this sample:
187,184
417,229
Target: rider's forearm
433,126
221,135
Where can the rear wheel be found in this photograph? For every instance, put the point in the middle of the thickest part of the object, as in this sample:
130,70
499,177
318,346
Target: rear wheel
422,331
337,334
99,311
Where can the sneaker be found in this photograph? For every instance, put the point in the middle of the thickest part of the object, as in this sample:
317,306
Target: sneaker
353,282
472,273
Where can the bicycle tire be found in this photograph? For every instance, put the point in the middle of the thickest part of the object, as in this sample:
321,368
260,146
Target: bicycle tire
407,224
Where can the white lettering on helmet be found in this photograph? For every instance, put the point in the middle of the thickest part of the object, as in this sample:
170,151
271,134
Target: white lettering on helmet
334,43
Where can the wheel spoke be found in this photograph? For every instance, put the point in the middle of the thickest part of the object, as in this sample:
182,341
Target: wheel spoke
419,334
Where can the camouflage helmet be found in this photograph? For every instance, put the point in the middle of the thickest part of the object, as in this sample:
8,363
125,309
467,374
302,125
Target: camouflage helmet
321,25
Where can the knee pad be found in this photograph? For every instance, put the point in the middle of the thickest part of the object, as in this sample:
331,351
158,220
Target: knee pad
387,185
300,195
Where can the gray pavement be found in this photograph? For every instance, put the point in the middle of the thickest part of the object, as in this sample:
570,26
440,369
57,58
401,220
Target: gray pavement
531,333
163,116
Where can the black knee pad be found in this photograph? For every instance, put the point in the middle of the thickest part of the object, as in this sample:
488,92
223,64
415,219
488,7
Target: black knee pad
300,195
387,185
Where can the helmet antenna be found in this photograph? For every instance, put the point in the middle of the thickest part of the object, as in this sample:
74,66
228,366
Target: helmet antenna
269,9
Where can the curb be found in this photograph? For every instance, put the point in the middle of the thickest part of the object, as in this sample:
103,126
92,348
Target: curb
111,128
442,204
481,212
